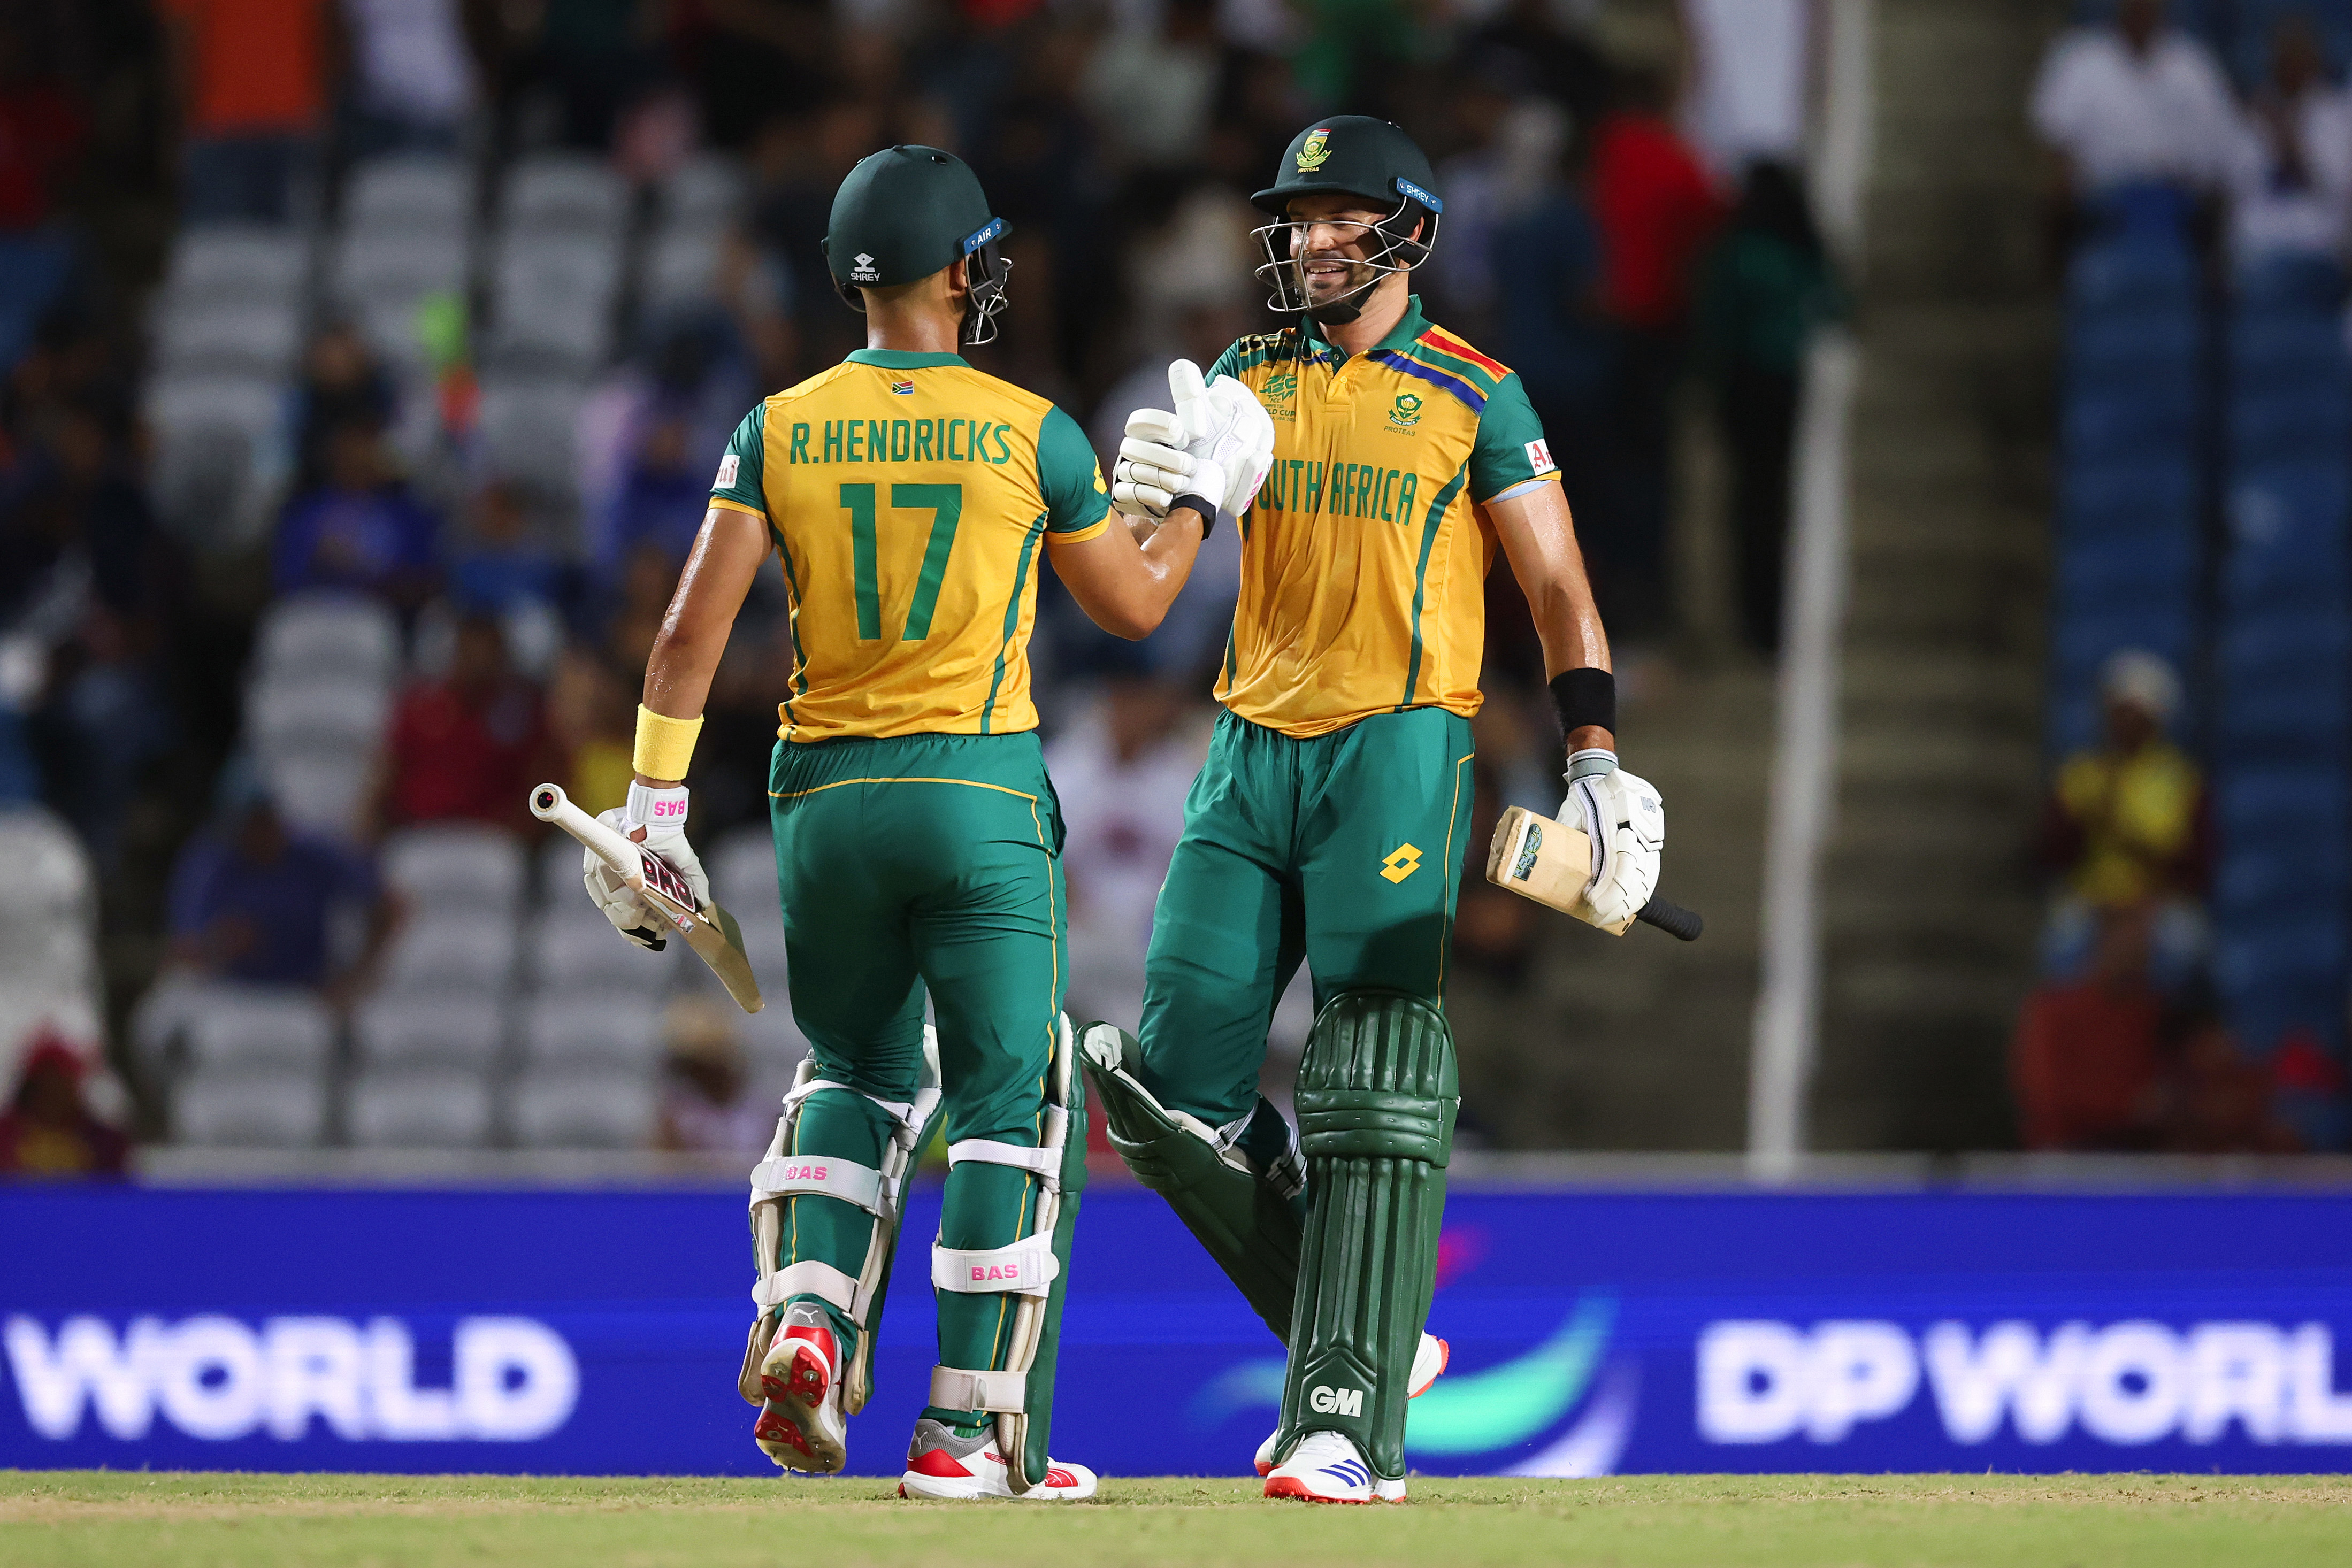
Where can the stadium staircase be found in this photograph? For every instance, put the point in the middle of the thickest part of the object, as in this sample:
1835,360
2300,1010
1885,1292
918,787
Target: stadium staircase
1930,915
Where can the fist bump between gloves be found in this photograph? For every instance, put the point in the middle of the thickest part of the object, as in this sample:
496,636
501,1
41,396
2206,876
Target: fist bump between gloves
1217,445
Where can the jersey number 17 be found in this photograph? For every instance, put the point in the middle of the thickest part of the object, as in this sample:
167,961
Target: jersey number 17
945,503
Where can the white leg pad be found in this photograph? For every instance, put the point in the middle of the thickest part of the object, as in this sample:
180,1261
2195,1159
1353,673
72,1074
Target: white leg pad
819,1176
1026,1267
998,1393
1045,1164
812,1278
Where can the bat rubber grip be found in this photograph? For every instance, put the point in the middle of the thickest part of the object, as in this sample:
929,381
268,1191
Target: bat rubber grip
1685,924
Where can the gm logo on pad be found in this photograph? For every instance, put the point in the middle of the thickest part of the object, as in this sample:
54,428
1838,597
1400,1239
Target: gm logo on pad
1325,1400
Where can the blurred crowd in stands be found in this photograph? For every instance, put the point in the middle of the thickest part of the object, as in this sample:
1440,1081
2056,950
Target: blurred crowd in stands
2195,960
366,361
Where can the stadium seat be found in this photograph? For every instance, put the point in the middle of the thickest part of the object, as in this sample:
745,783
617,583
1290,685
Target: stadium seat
250,1110
2289,420
572,954
530,430
564,192
322,791
2143,273
459,868
608,1028
583,1110
2106,348
400,267
250,1029
419,1110
408,194
231,339
703,193
406,1027
2113,574
742,867
294,711
237,263
330,633
449,949
2127,424
681,272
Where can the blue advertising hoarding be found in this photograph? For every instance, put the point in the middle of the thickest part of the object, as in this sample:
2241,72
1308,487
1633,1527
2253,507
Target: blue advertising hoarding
1593,1332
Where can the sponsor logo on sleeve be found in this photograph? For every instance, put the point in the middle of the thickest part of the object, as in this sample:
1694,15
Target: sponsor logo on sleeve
1539,456
728,467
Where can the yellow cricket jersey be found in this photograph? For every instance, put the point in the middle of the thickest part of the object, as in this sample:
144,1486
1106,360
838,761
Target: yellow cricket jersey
1364,558
906,494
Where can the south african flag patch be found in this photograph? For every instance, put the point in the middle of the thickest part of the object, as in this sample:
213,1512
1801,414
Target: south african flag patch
904,389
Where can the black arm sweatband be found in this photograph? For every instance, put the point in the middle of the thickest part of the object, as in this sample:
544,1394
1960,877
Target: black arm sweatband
1206,507
1584,697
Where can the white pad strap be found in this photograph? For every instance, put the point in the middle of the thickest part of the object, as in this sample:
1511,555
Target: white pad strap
810,1278
998,1393
1045,1164
818,1175
1026,1267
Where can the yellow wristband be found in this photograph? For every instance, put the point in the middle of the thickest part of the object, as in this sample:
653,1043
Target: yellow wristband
665,745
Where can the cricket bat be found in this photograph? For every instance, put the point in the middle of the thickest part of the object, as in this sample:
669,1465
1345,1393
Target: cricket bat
1551,863
709,930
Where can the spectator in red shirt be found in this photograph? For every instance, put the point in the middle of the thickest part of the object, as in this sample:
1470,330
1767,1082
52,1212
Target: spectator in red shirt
48,1129
2087,1063
467,747
1656,210
41,130
252,76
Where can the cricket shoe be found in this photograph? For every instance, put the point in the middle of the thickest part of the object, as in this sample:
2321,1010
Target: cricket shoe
942,1465
1428,1363
801,1426
1326,1468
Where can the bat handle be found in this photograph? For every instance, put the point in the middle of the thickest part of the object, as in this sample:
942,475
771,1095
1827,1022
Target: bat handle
1673,919
549,804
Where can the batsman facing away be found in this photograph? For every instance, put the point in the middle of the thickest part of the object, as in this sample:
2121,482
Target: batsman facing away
908,499
1330,820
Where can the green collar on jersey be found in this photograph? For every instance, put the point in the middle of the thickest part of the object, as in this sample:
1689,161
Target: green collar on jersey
902,359
1410,326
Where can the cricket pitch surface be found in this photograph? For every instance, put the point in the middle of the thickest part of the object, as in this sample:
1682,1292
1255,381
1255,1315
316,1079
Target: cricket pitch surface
162,1520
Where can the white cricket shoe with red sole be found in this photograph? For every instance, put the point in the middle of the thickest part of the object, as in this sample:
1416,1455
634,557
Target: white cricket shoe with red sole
1428,1365
801,1426
942,1465
1326,1468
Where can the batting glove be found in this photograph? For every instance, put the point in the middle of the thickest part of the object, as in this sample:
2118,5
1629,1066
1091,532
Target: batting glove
1626,821
1217,445
662,814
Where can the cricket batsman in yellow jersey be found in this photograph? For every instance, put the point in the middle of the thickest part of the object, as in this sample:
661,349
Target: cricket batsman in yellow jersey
909,502
1329,823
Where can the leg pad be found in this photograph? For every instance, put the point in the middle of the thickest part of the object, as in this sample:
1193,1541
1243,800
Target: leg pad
1376,1095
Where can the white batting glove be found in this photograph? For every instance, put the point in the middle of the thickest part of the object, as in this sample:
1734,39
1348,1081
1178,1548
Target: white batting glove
1626,821
1217,445
662,814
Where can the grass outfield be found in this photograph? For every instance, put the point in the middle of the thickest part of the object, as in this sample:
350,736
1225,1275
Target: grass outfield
166,1520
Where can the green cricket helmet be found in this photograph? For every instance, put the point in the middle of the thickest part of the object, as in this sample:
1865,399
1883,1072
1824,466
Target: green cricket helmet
908,212
1349,156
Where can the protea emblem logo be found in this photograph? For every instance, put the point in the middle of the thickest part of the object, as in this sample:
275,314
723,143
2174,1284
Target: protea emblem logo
1315,149
1407,412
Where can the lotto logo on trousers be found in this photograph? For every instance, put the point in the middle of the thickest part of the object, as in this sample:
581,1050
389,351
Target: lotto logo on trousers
1325,1400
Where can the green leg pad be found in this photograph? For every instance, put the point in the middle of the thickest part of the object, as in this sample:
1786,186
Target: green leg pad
1247,1225
1376,1095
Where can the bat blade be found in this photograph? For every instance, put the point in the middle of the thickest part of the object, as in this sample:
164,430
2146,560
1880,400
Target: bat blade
709,929
1550,862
